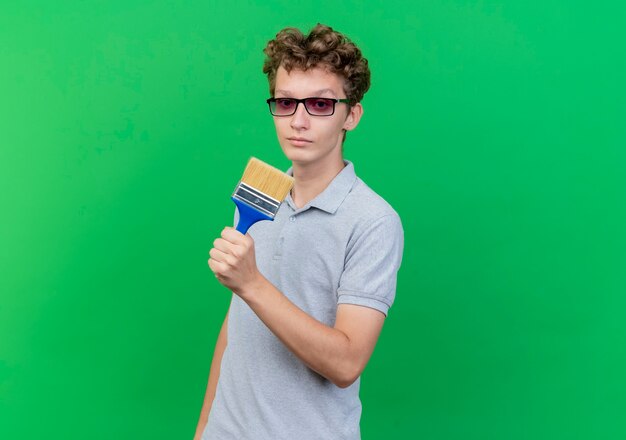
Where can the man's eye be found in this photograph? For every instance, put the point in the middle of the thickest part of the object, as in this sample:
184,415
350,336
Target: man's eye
321,103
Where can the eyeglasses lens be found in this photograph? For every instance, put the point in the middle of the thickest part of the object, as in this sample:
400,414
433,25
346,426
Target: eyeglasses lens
283,107
319,106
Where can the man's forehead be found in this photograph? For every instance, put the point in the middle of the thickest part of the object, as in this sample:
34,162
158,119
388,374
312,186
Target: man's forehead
315,82
319,92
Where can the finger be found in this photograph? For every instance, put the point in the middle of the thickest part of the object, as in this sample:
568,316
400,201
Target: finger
211,263
238,250
232,235
244,243
217,267
223,245
223,257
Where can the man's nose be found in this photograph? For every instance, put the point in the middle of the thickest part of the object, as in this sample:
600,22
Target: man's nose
300,119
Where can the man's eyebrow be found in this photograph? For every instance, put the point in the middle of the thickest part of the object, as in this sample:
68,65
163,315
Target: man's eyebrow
316,93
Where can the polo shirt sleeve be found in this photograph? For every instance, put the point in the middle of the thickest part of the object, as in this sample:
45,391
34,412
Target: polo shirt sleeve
372,261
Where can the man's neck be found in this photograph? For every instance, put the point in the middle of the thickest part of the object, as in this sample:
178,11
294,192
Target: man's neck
312,179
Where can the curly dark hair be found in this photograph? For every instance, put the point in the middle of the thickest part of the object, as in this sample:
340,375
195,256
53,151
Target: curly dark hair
323,47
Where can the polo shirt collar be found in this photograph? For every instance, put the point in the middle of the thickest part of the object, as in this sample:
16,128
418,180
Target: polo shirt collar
331,198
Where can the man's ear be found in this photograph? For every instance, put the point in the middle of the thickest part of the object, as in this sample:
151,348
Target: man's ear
354,116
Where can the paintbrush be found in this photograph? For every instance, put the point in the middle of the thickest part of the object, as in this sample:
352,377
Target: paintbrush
259,193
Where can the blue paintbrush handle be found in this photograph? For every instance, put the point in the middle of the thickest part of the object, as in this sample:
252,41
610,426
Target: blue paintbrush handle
248,215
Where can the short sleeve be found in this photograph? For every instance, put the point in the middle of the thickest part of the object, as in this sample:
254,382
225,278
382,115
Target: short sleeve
373,258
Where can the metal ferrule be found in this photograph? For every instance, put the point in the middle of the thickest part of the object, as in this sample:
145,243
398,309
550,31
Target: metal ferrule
256,199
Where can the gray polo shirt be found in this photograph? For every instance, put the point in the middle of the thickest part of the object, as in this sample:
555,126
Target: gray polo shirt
343,247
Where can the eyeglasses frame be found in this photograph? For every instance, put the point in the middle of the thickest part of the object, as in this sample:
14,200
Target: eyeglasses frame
298,101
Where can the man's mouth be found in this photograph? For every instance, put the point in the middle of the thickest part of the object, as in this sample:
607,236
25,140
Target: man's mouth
298,141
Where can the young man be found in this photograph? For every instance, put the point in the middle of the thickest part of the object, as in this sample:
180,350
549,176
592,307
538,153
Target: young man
313,287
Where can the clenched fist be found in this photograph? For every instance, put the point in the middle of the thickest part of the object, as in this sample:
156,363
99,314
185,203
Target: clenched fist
233,262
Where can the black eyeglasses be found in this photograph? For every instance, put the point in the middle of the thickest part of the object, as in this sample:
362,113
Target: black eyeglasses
313,106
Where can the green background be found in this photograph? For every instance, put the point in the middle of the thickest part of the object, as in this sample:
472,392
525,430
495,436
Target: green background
495,129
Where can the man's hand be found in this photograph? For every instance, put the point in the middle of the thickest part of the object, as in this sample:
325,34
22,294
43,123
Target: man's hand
233,262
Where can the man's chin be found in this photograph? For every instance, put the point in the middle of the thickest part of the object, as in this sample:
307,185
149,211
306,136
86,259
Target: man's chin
298,156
